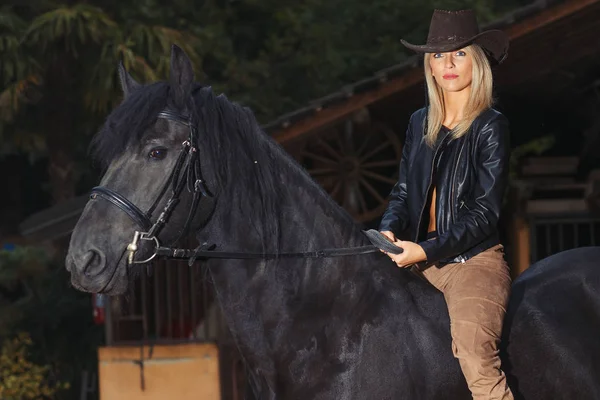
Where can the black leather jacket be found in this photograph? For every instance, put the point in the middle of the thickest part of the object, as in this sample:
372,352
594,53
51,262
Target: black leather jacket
471,178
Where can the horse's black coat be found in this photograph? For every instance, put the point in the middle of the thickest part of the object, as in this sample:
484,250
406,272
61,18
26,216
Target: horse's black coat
552,330
341,328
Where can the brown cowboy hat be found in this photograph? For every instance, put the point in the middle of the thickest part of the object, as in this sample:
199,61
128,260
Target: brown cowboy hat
452,30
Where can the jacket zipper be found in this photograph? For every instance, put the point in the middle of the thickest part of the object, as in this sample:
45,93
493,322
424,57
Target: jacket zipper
428,187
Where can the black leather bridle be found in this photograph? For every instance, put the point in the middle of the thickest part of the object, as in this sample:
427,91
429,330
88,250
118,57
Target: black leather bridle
187,172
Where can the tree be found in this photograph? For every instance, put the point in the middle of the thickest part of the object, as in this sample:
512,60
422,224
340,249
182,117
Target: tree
60,78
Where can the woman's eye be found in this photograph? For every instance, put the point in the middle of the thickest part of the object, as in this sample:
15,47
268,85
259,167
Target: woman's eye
437,55
158,153
461,53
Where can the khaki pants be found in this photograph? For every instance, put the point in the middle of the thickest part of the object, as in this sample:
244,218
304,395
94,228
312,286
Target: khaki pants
477,294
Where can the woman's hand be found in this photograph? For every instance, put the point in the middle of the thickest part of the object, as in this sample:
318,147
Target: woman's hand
389,235
412,254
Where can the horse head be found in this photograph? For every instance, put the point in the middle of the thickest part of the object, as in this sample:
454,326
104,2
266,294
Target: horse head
153,184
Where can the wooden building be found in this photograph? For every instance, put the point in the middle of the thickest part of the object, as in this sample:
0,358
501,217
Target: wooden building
351,142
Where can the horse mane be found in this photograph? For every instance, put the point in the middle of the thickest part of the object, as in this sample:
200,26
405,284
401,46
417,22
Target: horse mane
242,161
239,151
242,152
128,122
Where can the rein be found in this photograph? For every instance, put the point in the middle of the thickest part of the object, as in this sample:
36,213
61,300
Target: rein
187,173
204,252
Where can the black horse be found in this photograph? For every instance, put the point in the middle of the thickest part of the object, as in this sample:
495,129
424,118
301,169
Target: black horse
343,327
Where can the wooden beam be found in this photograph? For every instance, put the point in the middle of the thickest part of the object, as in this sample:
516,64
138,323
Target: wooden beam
415,75
557,206
547,17
354,103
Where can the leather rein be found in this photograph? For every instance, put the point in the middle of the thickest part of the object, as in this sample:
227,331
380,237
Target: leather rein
187,173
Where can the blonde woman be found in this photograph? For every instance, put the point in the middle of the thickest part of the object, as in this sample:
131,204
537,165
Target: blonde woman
453,174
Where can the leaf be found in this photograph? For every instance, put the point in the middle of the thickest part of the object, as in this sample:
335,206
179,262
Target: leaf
21,378
89,22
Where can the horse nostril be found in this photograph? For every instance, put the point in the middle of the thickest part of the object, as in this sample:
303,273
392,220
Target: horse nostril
93,263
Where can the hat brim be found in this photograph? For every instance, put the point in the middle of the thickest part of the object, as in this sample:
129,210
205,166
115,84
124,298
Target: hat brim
494,43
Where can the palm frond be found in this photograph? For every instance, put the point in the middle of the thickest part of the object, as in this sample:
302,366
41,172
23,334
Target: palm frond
15,95
11,22
15,65
155,43
80,24
145,52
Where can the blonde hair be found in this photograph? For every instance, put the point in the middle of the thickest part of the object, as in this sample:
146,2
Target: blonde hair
479,100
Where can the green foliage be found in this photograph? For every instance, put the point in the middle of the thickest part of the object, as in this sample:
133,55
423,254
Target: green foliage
36,297
17,72
76,49
59,77
21,379
69,26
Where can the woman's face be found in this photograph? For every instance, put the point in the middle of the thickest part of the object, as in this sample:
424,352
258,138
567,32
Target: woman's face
453,70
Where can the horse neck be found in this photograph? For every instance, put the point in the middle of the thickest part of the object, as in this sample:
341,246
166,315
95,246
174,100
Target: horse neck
304,219
298,215
256,295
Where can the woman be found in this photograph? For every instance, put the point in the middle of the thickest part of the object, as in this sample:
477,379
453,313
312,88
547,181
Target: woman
453,174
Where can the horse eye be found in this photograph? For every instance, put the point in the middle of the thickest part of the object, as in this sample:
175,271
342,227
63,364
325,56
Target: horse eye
158,153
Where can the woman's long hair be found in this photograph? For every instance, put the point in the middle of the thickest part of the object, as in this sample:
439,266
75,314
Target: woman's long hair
481,96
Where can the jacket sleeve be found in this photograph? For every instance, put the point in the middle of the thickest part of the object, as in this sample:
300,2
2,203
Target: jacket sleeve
485,202
395,217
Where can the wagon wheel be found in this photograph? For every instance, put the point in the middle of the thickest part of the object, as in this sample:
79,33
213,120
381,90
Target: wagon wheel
357,169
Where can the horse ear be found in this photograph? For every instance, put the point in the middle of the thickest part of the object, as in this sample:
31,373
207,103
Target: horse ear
128,84
182,76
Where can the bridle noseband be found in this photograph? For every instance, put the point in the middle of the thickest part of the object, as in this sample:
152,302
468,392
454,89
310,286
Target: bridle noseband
187,172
